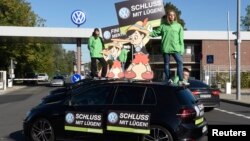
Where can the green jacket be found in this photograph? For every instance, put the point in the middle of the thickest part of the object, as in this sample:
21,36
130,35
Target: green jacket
124,55
95,47
172,37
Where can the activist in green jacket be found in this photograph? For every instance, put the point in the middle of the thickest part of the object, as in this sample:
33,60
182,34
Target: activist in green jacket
172,43
95,45
123,57
172,37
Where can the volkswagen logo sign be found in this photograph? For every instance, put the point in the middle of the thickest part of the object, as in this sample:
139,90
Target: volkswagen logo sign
78,17
113,117
124,13
107,35
69,118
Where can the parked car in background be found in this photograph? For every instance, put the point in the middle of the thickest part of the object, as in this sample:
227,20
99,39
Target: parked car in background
57,81
210,97
43,77
157,110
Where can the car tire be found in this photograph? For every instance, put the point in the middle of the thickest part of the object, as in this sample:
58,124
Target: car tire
41,130
158,133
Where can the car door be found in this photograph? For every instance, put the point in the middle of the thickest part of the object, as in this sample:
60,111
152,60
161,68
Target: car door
90,102
134,99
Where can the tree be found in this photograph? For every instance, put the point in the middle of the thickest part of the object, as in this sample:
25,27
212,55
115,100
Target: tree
246,20
16,13
169,6
63,60
30,56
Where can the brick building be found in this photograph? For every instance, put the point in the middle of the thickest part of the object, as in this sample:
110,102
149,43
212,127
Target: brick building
199,44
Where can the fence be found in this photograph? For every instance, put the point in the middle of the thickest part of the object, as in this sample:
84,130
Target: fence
219,74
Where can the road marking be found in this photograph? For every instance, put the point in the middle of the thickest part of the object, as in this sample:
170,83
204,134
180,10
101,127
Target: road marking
232,113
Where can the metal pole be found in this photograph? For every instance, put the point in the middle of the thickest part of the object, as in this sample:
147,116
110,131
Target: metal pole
229,49
238,70
78,42
209,74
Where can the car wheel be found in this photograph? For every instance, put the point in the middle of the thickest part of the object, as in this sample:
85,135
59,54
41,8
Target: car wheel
42,130
158,133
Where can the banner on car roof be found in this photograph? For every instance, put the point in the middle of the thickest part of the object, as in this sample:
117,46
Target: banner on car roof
124,121
130,12
83,122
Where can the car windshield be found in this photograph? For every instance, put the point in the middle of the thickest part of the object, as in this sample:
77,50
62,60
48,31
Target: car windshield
41,74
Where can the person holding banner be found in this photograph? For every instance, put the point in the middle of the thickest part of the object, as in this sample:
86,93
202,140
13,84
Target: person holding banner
95,46
123,57
172,43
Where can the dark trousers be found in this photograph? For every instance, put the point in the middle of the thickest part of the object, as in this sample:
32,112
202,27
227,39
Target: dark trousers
94,67
178,59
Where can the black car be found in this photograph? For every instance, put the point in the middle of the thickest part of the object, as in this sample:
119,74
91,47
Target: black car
210,97
60,93
147,110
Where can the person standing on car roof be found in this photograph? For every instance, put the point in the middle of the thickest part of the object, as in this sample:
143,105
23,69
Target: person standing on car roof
172,43
186,75
95,46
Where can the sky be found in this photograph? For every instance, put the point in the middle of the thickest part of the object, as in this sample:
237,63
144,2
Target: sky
205,15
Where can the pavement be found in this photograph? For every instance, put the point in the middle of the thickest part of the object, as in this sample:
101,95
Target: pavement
244,99
229,98
12,89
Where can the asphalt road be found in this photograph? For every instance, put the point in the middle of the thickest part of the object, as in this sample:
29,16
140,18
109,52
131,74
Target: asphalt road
14,106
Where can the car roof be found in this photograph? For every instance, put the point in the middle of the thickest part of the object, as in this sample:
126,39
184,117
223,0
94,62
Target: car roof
121,82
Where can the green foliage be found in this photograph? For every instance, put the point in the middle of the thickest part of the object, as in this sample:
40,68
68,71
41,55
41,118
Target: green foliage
16,13
30,56
169,6
63,61
245,80
223,77
246,20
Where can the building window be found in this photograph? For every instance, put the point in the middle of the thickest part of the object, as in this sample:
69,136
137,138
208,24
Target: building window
188,50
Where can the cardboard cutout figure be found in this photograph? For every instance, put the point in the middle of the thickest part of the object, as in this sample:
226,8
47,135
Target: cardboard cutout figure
112,52
139,69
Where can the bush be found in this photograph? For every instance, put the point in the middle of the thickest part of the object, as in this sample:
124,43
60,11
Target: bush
223,77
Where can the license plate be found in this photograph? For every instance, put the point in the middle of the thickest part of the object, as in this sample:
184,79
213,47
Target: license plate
205,96
204,129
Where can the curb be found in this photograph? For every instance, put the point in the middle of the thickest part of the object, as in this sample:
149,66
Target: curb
12,89
235,102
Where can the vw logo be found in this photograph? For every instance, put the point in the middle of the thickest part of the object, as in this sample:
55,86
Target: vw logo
124,13
112,117
107,35
78,17
69,118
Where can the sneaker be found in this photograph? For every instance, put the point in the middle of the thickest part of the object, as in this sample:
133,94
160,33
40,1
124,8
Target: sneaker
183,83
95,78
170,82
103,78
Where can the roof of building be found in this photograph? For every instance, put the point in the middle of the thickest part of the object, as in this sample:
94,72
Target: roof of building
69,35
